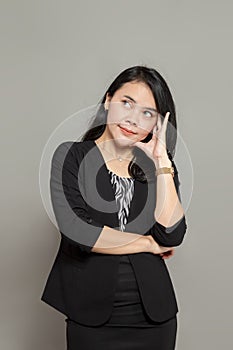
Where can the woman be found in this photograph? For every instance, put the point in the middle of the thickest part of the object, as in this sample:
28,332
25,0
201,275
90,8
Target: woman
116,199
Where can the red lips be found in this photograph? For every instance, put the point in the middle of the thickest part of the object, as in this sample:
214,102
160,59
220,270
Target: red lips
127,130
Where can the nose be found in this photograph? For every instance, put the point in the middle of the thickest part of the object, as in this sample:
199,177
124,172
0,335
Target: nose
133,117
130,122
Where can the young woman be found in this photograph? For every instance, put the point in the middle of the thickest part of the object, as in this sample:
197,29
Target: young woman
116,199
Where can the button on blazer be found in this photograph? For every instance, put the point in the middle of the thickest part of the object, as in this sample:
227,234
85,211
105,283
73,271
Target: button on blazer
81,283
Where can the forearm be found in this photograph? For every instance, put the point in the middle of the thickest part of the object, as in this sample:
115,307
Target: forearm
168,209
112,241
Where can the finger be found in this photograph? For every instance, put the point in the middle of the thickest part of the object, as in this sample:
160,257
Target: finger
162,133
154,128
164,126
165,257
159,122
154,132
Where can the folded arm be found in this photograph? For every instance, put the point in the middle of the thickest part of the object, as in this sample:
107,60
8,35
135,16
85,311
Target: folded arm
75,223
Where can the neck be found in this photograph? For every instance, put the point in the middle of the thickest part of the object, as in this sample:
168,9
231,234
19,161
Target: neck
117,151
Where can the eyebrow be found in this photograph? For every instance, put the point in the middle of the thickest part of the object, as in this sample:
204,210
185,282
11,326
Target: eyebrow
150,108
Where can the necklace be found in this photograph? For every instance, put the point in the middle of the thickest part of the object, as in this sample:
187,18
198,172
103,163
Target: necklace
120,158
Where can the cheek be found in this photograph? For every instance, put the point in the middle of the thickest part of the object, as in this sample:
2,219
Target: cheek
142,135
148,127
112,117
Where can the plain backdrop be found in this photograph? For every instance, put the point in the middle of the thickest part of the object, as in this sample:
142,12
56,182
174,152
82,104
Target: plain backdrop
58,57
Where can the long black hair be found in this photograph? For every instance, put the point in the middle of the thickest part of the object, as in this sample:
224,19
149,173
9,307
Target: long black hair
164,103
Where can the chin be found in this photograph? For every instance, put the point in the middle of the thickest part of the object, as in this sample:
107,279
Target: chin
121,141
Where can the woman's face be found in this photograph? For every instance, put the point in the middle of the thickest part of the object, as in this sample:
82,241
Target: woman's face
131,108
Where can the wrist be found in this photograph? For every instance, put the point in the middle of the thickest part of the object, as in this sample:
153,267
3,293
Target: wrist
163,162
147,243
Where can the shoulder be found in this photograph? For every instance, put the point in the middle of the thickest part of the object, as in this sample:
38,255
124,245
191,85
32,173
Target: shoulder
72,149
74,145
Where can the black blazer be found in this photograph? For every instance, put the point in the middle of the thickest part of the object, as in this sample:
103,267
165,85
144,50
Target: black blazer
81,283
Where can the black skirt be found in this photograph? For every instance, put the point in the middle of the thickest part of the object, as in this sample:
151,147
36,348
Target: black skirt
129,327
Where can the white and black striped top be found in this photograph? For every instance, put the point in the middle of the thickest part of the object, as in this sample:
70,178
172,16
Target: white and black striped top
124,190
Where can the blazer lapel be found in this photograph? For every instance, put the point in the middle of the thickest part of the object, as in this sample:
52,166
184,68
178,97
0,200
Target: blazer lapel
98,187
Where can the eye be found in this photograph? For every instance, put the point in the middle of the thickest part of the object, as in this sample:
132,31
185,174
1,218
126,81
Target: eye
126,103
149,114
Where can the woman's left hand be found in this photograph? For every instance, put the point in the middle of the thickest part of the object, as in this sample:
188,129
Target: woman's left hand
156,148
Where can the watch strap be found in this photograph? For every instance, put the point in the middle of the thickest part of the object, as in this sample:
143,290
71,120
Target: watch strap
165,170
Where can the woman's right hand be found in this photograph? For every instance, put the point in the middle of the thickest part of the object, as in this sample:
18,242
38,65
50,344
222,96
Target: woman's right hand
155,248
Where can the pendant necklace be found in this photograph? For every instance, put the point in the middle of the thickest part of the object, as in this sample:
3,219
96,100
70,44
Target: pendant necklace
120,158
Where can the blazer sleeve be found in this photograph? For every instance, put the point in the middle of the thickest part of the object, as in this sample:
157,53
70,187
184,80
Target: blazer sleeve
69,206
173,235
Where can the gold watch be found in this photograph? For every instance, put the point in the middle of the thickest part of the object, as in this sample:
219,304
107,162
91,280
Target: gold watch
165,170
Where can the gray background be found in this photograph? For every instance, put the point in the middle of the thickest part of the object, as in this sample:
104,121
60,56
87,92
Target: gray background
58,57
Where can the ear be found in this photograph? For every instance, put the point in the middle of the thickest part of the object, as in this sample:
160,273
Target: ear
108,99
